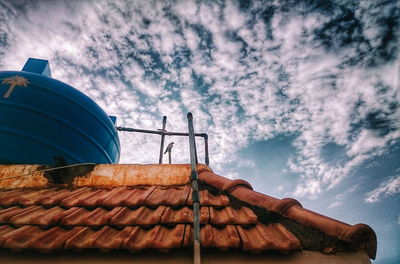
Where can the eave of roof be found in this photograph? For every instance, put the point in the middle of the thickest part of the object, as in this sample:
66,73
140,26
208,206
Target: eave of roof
360,235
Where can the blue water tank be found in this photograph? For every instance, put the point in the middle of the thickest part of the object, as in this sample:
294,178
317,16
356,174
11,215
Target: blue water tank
43,120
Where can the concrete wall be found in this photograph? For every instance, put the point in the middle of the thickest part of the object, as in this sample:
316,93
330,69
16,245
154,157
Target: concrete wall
208,257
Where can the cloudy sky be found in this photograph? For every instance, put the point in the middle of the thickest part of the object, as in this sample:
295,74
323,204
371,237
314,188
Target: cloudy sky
300,98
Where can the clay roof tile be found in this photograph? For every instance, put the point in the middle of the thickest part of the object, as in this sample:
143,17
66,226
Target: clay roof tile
360,234
133,209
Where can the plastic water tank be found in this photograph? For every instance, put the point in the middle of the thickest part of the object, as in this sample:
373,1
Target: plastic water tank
43,120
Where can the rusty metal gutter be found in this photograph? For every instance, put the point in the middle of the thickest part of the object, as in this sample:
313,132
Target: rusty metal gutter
195,193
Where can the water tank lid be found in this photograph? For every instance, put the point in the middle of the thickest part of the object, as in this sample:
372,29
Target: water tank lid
37,66
113,119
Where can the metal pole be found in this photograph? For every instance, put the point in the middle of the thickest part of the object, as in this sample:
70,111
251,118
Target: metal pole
195,193
207,160
169,157
164,122
195,152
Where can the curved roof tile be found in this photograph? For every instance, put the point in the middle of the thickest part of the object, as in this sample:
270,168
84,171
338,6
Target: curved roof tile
360,235
135,207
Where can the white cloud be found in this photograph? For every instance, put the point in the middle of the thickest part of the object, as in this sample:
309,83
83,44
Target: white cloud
122,56
340,198
233,17
186,9
232,175
192,39
335,204
386,188
368,141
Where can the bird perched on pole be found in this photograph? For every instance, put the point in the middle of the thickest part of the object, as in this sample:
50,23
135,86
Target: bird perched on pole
169,147
169,150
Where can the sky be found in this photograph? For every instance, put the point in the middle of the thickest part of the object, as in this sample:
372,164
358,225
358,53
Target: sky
300,98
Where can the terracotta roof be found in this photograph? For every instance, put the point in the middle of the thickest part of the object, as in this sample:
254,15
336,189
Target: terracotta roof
136,207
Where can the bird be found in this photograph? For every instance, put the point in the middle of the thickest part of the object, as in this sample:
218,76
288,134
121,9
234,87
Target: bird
169,147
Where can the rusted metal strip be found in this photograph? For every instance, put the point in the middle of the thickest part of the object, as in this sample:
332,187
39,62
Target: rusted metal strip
47,170
195,193
100,175
164,123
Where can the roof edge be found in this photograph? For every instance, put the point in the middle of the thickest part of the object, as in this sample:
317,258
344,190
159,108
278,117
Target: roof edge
360,236
100,175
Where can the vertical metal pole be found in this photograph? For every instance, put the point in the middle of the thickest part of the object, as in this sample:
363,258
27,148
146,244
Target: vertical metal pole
164,122
169,157
195,193
207,160
195,151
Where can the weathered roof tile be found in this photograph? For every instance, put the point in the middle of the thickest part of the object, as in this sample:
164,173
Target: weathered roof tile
5,230
51,239
81,239
292,209
24,217
11,198
138,196
149,217
77,198
51,216
110,238
22,237
273,236
168,195
126,216
158,237
52,199
6,214
139,217
34,197
222,238
281,237
228,215
96,218
207,198
97,198
127,196
117,197
75,218
166,238
175,216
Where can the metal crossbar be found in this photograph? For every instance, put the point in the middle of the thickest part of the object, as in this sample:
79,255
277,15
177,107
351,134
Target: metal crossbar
163,132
